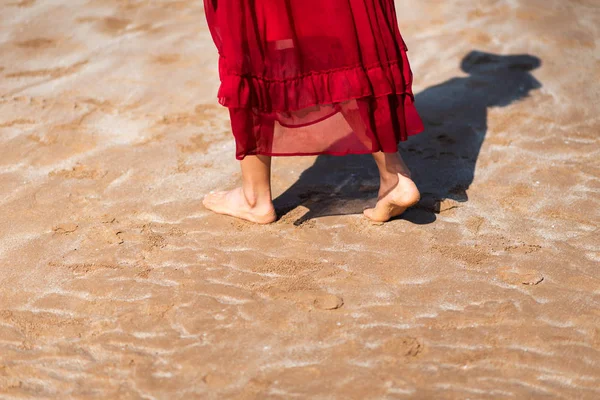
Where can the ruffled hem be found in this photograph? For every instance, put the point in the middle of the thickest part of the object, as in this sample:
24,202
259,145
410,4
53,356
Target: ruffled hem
328,87
241,156
365,125
314,153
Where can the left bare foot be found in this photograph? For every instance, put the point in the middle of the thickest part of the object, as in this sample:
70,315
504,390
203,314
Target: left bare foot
235,204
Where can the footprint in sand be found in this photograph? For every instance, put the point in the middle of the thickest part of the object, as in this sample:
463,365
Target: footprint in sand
327,301
520,276
65,229
405,346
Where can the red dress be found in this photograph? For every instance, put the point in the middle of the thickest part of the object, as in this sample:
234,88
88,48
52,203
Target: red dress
307,77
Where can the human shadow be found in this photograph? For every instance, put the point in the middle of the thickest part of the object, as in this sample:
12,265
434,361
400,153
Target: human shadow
442,159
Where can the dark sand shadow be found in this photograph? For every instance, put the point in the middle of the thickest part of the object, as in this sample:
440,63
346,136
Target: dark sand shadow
442,159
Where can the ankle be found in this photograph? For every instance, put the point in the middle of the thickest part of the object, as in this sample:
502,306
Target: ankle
388,179
393,175
257,198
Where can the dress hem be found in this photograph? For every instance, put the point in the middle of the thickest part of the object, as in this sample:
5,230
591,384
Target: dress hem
329,87
331,153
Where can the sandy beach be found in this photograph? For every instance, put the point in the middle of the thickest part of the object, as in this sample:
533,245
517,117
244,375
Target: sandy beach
116,283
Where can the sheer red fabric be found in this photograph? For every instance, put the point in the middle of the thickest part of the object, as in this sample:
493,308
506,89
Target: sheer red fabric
306,77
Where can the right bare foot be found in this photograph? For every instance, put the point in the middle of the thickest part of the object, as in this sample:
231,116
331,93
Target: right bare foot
235,204
395,200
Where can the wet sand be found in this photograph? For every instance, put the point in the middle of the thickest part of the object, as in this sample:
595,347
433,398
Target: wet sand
115,282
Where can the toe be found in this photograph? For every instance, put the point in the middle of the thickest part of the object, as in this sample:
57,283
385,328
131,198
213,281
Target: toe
210,199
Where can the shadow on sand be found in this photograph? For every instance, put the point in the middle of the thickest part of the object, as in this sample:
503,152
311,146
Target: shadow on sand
442,159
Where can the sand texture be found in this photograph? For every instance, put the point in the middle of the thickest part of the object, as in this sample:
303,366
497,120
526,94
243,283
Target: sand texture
116,283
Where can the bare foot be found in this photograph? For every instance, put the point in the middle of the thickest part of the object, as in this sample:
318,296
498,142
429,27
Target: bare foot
235,204
395,200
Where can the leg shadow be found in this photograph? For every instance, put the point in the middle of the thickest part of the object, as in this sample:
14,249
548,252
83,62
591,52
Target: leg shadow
442,159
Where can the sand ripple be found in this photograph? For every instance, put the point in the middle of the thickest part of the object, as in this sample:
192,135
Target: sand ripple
116,283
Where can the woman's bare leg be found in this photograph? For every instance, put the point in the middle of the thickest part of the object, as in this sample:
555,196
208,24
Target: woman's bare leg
252,201
397,191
